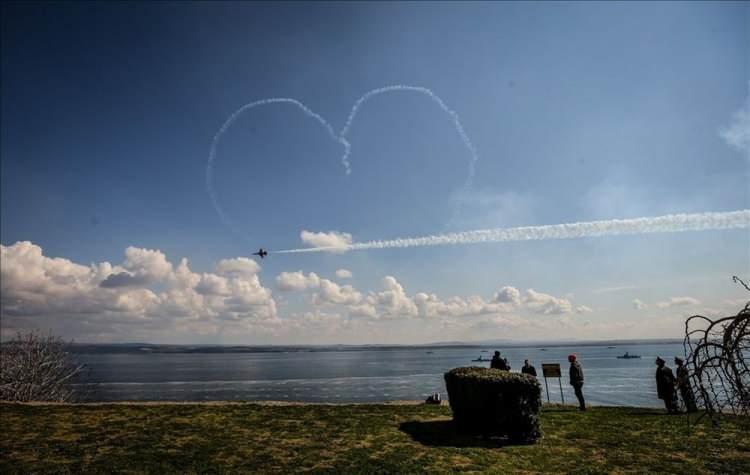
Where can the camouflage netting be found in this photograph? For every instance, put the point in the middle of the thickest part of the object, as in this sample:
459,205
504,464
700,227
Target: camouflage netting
718,357
495,402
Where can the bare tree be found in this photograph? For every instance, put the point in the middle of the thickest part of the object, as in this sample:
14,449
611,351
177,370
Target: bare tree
36,368
719,361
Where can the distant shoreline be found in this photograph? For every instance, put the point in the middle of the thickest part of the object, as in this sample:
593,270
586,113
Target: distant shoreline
218,349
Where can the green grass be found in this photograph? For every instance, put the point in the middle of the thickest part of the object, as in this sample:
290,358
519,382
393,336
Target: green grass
352,439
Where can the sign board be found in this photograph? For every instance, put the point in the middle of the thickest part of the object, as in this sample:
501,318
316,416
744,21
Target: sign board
551,370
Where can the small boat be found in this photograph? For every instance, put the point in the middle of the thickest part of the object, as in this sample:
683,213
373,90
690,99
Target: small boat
610,347
628,356
542,349
429,352
481,359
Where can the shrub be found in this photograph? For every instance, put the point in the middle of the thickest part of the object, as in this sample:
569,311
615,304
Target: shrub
36,368
495,402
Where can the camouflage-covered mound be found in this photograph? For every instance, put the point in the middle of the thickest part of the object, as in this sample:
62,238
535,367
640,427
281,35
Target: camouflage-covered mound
495,402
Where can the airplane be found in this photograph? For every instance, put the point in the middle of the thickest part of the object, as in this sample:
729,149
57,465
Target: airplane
262,253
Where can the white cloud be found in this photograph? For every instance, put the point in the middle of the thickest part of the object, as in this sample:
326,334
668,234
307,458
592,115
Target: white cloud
737,133
240,266
393,301
297,281
639,304
145,295
330,292
620,288
333,241
150,264
508,295
678,302
212,284
149,298
546,304
344,274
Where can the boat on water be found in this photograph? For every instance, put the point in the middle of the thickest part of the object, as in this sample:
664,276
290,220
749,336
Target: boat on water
628,356
610,347
481,359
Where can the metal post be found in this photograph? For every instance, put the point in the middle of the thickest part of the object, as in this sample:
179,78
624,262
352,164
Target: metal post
559,380
547,387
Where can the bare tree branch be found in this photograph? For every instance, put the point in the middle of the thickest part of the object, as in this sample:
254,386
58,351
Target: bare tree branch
718,358
36,368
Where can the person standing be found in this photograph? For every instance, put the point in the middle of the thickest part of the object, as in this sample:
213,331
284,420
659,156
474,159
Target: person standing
683,384
576,380
665,382
498,362
528,369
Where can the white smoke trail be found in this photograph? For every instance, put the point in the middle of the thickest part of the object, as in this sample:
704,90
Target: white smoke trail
671,223
340,138
217,138
422,90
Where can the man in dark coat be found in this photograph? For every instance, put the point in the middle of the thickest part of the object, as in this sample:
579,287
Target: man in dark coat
665,382
528,369
499,363
576,380
683,384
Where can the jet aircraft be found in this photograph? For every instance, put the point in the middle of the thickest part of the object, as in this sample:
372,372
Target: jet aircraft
261,252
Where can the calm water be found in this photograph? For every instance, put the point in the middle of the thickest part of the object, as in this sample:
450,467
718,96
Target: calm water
357,376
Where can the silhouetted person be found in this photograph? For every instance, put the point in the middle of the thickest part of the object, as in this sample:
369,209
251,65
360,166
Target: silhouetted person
528,369
683,384
665,382
433,399
576,380
499,363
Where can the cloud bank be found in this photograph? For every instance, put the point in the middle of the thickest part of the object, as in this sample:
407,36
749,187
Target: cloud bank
143,296
147,297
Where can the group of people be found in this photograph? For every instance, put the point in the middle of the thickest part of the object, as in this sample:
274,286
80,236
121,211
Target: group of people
576,373
667,385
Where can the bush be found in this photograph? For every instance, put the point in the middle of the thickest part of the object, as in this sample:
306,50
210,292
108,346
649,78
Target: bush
495,402
36,368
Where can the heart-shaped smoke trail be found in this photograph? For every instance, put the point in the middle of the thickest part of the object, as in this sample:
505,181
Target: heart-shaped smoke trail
340,138
671,223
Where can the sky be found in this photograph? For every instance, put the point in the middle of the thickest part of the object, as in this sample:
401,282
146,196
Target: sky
130,207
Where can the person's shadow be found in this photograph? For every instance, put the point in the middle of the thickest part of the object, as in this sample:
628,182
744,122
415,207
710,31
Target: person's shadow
444,433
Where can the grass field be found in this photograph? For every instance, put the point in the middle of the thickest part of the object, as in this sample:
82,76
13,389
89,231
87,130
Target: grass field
217,438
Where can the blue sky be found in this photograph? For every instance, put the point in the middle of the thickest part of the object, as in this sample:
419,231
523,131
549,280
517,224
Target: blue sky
579,111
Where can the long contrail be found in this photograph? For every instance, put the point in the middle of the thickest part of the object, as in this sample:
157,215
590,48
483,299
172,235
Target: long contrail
671,223
340,137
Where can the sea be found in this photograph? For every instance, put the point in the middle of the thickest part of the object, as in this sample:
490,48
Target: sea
353,374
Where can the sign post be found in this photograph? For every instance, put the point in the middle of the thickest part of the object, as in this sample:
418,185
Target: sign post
552,370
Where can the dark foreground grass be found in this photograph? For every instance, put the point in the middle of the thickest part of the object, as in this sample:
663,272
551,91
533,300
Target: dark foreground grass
352,439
